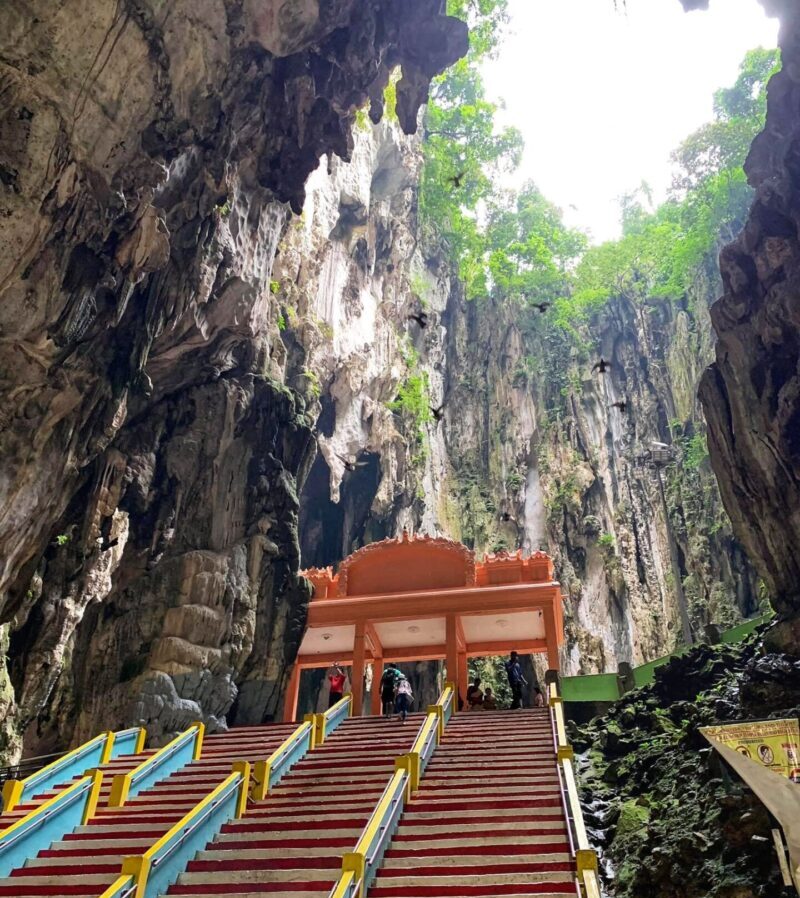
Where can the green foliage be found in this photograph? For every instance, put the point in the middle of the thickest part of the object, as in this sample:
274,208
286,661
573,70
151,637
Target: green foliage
662,251
281,322
312,382
491,671
606,540
62,539
695,451
274,287
413,405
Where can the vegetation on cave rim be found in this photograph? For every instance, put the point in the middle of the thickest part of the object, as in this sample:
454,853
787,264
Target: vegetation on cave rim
512,245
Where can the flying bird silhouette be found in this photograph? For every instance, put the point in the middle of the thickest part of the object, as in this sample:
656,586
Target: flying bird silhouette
601,367
420,317
456,180
505,516
438,413
542,306
621,404
350,465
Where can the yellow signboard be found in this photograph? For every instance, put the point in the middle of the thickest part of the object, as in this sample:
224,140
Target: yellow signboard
773,743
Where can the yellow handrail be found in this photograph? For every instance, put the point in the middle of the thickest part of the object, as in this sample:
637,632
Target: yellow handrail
13,789
118,887
408,771
121,784
343,885
138,867
44,809
320,720
374,823
585,855
263,769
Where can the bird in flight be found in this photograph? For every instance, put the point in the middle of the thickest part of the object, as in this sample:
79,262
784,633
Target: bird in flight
542,306
621,404
505,516
601,367
438,413
350,465
420,317
456,180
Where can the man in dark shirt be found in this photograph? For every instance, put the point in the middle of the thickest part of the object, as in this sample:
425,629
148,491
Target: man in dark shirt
515,680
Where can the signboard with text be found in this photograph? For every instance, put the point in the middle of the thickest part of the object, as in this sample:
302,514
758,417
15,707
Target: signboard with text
775,744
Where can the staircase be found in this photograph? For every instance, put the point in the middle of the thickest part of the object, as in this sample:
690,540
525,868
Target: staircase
487,819
90,858
291,844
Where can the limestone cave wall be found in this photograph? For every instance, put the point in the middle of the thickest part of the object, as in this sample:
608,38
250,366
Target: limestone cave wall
150,158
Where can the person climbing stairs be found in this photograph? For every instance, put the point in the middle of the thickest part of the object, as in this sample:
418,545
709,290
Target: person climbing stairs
487,819
290,845
89,859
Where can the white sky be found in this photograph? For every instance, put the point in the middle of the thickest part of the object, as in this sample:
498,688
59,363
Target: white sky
602,96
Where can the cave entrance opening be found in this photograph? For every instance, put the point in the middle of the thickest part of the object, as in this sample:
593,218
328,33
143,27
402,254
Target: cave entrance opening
426,599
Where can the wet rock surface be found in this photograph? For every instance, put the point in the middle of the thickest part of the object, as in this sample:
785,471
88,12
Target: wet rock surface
669,819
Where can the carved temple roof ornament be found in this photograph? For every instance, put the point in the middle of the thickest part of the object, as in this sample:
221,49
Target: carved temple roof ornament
409,563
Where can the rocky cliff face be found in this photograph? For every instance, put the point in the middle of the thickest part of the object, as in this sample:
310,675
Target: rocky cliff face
751,394
151,456
529,452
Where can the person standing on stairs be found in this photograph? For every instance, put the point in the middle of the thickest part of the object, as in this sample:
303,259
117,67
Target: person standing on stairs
388,683
404,698
337,678
515,680
489,701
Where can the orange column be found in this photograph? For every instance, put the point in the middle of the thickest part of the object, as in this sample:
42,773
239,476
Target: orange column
292,692
463,673
375,695
359,650
551,633
451,639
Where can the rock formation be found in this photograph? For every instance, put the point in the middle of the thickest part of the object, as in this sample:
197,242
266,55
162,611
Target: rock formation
148,531
751,395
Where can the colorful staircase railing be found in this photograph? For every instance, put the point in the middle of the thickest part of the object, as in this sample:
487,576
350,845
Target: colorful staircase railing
173,756
327,721
360,866
268,773
74,763
150,874
585,856
49,822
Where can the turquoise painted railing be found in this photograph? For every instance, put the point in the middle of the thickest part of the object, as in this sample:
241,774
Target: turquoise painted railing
446,702
160,866
365,860
74,763
176,754
333,717
48,823
267,774
360,866
128,742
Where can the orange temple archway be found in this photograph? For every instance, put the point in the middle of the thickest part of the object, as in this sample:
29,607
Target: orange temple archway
426,598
